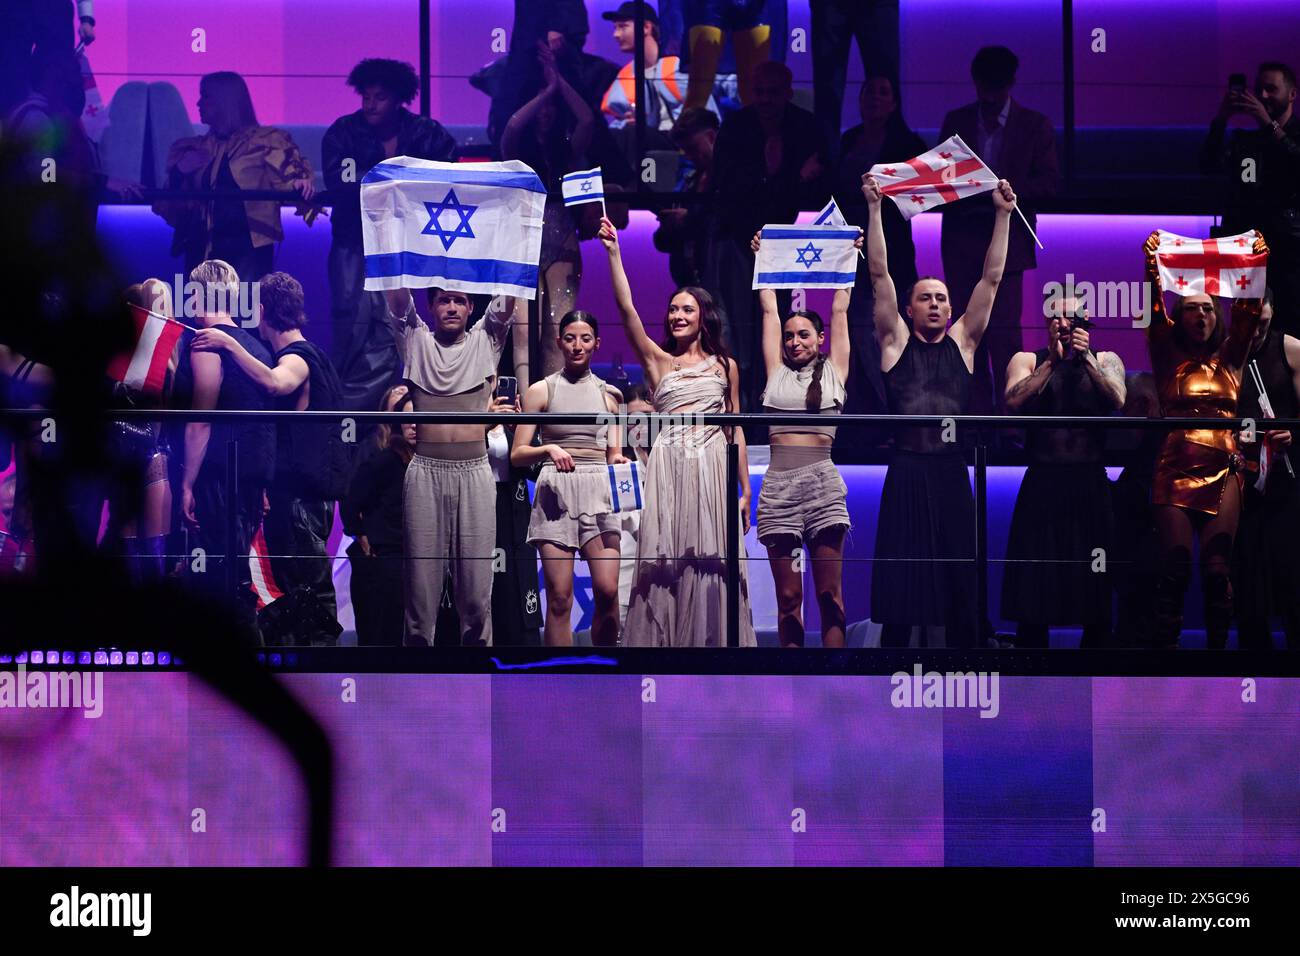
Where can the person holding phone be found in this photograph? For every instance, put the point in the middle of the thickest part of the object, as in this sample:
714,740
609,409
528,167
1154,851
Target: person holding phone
449,484
1260,166
1063,512
572,510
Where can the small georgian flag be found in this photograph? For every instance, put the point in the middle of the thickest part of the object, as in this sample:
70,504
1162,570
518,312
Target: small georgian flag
949,172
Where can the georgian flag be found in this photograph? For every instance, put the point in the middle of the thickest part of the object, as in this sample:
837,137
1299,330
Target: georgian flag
582,187
625,487
806,257
949,172
1225,267
472,227
144,368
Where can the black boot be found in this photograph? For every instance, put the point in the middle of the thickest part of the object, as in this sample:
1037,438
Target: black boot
1217,591
1171,587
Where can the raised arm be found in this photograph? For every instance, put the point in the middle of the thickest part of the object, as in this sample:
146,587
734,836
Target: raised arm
969,329
771,318
891,331
648,351
1159,321
1246,315
841,342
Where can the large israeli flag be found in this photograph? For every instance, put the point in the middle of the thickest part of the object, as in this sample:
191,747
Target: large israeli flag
806,257
472,227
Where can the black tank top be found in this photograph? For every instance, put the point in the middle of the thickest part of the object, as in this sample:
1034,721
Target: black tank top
1070,391
1276,373
256,439
927,379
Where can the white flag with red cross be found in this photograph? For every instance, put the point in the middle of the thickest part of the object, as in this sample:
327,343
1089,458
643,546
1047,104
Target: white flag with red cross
1227,267
949,172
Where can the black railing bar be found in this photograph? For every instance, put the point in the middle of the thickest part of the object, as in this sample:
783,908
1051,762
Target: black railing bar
661,419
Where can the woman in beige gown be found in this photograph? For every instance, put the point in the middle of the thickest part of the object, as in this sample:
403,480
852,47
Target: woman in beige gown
679,596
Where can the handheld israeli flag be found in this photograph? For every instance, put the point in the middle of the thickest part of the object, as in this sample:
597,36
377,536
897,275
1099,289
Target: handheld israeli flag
582,187
806,257
830,215
625,487
472,227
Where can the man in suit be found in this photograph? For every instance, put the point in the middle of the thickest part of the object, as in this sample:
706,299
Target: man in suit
1018,144
769,164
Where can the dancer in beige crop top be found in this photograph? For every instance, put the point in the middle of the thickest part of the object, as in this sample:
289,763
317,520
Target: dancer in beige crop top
572,510
802,507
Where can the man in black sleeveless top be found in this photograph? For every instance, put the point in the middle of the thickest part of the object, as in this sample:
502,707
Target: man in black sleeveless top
218,383
1266,572
299,377
1062,527
923,570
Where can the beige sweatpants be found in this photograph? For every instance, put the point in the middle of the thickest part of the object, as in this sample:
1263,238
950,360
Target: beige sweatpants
449,509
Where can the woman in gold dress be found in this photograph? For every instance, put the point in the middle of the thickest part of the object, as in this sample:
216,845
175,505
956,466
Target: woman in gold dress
1196,494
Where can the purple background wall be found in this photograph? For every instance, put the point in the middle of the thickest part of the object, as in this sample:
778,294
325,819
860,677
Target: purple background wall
1166,61
709,773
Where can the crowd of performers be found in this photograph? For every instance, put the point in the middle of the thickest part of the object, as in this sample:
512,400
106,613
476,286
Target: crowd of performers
444,533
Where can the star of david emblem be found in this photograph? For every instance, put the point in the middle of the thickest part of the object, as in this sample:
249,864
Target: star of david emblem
586,185
808,255
449,204
625,487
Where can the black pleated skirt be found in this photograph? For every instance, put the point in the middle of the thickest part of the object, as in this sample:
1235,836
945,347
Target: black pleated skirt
1063,514
923,571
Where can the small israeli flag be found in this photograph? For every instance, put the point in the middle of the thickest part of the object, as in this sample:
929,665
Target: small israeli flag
830,215
806,257
583,186
625,483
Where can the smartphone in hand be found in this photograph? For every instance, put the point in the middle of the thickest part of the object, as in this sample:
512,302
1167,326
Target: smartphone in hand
1237,83
507,388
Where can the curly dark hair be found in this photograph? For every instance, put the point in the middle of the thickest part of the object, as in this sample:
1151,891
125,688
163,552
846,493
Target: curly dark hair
393,75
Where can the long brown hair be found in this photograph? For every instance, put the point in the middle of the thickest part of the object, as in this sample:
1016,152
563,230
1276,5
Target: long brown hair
711,340
386,436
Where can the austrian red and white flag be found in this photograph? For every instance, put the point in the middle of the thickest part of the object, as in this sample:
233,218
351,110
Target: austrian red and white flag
1227,267
949,172
144,369
259,564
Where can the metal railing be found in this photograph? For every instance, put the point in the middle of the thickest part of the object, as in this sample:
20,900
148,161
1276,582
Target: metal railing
975,423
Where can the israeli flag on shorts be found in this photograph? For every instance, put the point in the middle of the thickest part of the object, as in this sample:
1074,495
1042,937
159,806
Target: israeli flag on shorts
472,227
625,487
584,186
806,257
830,215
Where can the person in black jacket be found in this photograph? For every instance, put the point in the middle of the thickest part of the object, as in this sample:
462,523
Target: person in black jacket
883,136
363,347
1262,171
769,160
371,512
